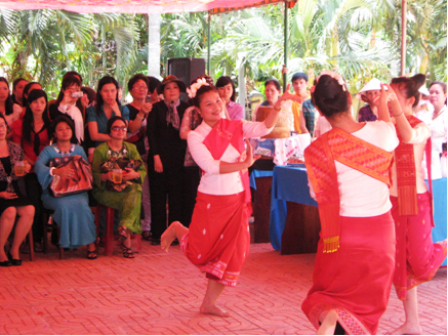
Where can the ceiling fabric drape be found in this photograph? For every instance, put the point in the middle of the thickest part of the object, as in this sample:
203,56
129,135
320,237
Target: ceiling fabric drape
135,6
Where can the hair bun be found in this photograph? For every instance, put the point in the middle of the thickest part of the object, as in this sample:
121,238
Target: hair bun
419,79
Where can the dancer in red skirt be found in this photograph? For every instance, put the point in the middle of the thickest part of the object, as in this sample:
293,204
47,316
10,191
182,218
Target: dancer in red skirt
417,258
218,239
348,168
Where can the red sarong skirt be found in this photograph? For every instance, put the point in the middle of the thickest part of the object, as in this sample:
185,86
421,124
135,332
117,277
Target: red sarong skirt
418,258
355,281
218,240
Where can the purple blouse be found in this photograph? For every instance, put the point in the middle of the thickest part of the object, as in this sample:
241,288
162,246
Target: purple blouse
236,111
366,114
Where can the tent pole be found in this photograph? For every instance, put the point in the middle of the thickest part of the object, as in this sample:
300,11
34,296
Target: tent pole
403,36
285,44
208,42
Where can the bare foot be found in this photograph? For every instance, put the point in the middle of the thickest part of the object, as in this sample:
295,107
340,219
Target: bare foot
213,310
328,324
407,329
168,236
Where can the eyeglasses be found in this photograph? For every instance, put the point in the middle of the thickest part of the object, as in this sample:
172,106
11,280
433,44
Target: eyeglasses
119,128
140,87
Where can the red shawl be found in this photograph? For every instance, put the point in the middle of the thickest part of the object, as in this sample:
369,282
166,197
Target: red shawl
224,133
406,174
345,148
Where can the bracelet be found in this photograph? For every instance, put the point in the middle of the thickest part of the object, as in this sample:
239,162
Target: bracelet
52,171
397,115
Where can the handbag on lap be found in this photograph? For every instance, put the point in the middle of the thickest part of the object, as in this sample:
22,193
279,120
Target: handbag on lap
81,181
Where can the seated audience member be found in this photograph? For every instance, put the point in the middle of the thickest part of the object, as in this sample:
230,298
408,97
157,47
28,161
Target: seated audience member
153,83
107,106
12,202
139,109
72,213
227,92
17,91
128,200
32,134
304,113
66,105
192,173
368,94
88,97
166,156
8,108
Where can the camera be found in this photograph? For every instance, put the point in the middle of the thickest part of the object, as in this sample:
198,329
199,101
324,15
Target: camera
78,94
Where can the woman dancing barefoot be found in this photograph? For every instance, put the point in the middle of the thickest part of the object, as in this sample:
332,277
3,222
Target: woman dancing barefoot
218,239
348,169
418,258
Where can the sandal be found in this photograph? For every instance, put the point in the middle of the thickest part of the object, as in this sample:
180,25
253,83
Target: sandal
122,232
127,252
146,235
92,255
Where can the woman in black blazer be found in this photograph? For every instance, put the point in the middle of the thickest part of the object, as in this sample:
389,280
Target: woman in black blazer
166,156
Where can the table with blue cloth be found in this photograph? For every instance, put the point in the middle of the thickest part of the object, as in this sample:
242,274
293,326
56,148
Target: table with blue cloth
296,232
290,184
439,191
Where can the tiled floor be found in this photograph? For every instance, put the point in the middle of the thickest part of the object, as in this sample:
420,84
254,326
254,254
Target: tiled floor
159,293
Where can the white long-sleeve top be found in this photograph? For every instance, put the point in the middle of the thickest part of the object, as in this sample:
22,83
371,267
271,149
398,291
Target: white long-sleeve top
420,134
76,115
212,182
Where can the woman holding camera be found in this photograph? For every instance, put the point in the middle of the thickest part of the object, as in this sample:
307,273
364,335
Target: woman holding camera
66,105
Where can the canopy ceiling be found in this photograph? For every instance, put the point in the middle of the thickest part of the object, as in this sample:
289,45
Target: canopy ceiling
134,6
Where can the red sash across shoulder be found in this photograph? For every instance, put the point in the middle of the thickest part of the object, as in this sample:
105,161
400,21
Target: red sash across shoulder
406,174
345,148
224,133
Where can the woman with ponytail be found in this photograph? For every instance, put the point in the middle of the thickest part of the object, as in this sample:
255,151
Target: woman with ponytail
417,257
348,169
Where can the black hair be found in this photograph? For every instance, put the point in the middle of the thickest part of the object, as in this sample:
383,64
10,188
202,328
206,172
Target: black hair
73,73
299,75
99,99
16,82
67,81
8,102
27,88
330,97
223,81
28,119
69,122
91,94
134,79
153,83
196,101
411,85
112,121
274,82
3,117
442,84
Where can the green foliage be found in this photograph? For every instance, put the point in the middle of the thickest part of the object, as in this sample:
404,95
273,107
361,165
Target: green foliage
358,38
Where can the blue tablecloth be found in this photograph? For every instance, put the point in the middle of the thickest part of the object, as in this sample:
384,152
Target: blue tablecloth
258,173
291,184
288,184
439,190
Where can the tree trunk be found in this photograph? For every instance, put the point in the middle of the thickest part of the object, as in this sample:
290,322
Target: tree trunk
154,45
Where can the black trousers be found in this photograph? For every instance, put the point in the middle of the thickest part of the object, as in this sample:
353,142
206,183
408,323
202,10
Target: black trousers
192,177
34,194
165,187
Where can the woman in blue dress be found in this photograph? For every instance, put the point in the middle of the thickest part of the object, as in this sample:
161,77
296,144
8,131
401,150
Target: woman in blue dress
71,213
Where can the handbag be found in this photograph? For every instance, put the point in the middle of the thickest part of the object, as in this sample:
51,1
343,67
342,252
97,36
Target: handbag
121,163
81,181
